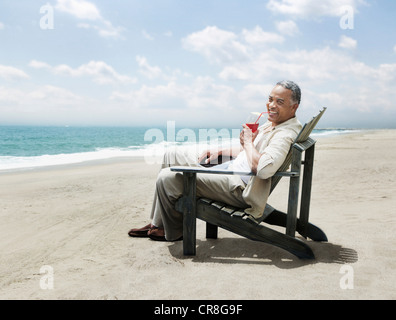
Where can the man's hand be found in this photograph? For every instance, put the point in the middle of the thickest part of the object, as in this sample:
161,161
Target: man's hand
212,155
247,136
209,156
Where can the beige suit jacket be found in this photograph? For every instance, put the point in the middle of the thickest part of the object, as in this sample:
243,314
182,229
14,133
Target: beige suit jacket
273,143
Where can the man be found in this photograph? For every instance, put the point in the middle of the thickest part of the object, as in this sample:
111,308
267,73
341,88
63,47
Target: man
262,152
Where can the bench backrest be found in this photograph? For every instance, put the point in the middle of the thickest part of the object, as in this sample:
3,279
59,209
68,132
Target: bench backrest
301,137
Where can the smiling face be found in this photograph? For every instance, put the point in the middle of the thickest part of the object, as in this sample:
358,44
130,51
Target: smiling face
280,105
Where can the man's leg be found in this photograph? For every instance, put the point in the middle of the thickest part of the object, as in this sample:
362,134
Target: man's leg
177,156
169,188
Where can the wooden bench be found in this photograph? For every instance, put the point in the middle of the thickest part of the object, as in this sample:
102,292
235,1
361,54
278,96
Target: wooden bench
218,214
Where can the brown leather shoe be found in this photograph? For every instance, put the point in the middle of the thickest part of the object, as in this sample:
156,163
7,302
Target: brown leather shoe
140,232
157,234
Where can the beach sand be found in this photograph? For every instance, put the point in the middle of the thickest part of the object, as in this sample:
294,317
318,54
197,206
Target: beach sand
71,223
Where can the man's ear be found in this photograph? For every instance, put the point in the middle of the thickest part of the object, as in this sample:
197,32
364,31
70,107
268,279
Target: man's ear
295,107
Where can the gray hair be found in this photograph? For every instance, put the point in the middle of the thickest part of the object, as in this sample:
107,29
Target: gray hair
293,87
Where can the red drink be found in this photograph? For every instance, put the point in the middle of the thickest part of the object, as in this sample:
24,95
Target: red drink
253,126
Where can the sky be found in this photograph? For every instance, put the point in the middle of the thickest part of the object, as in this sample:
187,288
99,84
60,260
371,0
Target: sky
206,63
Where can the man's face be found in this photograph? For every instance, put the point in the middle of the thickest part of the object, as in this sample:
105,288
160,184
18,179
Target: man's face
280,106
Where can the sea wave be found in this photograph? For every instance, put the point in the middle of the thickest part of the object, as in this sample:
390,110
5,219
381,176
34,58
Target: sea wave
331,132
151,153
12,163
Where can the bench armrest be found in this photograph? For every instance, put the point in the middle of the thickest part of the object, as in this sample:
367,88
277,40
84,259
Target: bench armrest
210,170
225,171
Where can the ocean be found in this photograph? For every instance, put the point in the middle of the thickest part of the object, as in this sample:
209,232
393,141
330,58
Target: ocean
24,147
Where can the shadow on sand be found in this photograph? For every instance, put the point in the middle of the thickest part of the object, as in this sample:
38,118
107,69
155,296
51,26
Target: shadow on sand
245,251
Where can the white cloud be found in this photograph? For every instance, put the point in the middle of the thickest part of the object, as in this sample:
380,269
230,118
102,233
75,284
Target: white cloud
180,102
52,94
47,95
167,97
105,30
313,66
11,73
203,92
146,35
328,76
394,49
46,104
221,46
253,96
38,64
86,10
207,93
9,95
347,42
79,8
258,36
185,103
311,8
273,63
99,71
320,64
216,45
2,27
385,72
147,70
288,27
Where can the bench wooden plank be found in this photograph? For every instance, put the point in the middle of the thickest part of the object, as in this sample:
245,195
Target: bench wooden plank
218,205
229,210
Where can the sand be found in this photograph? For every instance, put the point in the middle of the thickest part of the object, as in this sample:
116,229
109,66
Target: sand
63,234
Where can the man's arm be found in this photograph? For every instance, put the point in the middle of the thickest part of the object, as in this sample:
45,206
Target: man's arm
275,153
253,156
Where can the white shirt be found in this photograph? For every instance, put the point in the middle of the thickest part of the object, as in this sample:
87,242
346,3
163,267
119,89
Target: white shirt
241,164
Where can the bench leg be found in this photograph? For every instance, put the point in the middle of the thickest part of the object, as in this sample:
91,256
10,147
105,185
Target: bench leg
211,231
306,190
294,188
189,214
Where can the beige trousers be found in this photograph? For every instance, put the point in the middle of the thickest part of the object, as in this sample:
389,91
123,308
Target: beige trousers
169,188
